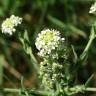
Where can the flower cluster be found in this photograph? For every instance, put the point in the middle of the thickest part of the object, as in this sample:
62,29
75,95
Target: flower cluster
50,73
8,26
53,76
93,8
53,49
49,41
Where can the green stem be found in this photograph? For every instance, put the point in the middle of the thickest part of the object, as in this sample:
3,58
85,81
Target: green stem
34,61
91,89
36,92
92,37
10,90
41,93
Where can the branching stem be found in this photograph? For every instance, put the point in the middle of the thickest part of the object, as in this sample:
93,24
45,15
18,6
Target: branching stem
92,37
41,93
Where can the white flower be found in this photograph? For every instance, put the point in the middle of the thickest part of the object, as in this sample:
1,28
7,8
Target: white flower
16,20
93,8
48,41
8,26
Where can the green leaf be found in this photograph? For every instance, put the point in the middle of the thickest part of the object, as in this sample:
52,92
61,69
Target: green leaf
27,48
72,29
56,21
88,81
75,54
77,31
85,52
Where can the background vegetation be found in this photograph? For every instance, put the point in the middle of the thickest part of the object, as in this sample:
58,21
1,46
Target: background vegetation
71,17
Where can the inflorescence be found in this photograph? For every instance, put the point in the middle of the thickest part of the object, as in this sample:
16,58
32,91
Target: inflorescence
49,41
53,49
8,25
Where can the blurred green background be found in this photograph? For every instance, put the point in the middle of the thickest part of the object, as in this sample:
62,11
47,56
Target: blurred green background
71,17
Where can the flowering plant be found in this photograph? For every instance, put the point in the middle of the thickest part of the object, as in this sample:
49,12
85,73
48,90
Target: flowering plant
56,72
